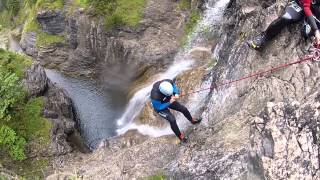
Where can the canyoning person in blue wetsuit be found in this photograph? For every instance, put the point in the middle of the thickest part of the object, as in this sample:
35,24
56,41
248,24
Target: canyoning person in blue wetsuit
164,95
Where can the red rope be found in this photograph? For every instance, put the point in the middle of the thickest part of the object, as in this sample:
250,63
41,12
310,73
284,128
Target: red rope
258,73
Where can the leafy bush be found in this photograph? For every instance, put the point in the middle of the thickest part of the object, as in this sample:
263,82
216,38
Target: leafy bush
12,5
20,118
14,143
10,93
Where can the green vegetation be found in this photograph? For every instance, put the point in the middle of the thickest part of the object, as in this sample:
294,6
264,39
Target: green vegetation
44,38
118,12
31,23
185,4
81,3
49,4
158,176
5,20
212,63
13,6
193,20
20,118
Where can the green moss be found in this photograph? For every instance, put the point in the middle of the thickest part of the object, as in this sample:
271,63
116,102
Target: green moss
81,3
185,4
49,4
193,20
213,62
44,38
31,124
158,176
5,20
130,11
118,12
31,23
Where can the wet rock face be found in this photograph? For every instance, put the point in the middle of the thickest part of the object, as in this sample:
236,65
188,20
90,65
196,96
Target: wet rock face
286,140
28,43
52,22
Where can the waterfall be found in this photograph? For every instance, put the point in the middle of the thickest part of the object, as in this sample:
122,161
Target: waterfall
211,18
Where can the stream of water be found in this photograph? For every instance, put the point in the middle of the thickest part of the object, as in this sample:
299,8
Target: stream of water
102,114
183,61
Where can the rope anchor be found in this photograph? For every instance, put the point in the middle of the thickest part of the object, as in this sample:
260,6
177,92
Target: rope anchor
315,54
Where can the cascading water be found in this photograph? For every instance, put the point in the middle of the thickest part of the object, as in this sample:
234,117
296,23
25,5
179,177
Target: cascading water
183,61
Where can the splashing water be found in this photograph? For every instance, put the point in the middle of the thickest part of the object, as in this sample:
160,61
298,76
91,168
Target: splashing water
212,16
140,98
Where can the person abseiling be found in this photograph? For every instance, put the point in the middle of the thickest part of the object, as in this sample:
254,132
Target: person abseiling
164,95
294,11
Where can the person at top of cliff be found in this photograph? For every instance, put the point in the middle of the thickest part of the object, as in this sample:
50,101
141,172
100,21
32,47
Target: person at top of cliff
164,95
294,11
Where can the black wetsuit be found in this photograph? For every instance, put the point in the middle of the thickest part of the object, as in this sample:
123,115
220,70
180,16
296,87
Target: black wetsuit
294,12
161,104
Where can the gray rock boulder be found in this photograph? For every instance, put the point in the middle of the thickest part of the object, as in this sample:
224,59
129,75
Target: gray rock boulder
28,43
36,80
51,21
286,139
58,108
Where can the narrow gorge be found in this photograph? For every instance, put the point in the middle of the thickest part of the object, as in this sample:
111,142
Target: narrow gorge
93,62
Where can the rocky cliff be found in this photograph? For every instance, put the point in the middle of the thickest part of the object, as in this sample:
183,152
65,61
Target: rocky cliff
262,128
58,108
124,53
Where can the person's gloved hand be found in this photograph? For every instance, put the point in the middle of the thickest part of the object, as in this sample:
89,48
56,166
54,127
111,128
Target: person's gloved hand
172,99
317,37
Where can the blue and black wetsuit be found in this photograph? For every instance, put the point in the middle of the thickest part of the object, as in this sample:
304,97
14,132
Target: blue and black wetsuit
161,104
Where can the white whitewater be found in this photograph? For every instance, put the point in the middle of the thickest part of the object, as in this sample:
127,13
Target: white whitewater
212,17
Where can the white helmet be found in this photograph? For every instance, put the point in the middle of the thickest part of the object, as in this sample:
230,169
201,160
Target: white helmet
166,88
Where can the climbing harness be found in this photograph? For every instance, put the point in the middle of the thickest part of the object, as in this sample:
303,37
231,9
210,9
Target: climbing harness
313,56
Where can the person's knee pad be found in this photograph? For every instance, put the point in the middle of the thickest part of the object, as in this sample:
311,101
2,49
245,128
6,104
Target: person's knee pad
293,12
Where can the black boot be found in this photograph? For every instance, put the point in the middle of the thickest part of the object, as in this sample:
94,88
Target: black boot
196,120
258,42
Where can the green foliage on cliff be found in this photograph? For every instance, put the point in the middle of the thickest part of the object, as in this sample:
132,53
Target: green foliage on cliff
49,4
44,38
20,118
118,12
5,20
158,176
193,20
13,6
185,4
